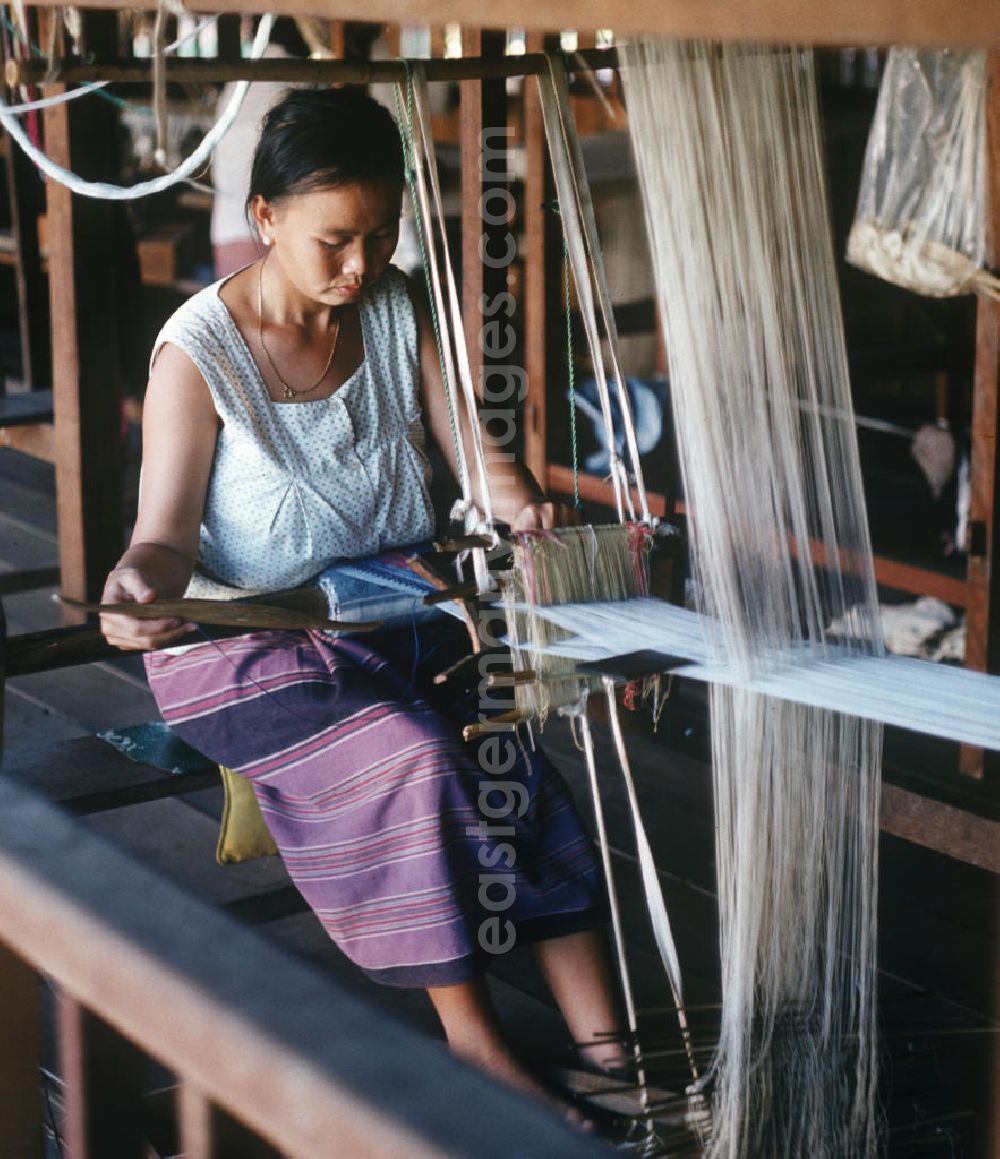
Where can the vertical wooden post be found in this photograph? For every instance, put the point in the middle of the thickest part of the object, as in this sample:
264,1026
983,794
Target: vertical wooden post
20,1034
537,234
195,1122
392,40
229,36
81,241
102,1073
483,111
25,190
983,617
982,651
489,246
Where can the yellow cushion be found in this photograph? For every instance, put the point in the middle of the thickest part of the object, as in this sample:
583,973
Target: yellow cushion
242,832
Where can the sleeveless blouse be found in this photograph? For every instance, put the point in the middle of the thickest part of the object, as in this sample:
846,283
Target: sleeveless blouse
296,486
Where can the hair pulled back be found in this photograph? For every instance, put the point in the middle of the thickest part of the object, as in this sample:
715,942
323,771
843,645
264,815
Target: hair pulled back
322,138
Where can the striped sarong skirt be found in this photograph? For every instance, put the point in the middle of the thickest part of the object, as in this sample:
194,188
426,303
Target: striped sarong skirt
422,855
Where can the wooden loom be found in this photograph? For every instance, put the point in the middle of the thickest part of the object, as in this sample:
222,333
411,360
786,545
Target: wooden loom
978,571
85,424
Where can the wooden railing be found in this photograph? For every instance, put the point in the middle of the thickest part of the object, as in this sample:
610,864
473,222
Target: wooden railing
142,969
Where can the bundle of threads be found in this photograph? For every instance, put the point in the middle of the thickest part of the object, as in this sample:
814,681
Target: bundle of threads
565,566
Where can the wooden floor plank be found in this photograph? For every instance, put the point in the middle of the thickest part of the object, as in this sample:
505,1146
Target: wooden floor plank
105,700
32,611
26,471
23,545
28,723
179,842
28,504
938,919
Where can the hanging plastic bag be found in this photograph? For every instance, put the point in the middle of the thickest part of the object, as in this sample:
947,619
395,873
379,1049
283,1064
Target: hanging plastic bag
921,216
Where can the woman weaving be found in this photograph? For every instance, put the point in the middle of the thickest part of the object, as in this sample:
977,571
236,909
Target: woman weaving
284,426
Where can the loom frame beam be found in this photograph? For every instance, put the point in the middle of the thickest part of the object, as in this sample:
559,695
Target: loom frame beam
82,429
983,575
870,22
81,456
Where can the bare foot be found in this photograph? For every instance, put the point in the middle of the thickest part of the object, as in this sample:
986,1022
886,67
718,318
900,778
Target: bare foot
502,1065
610,1056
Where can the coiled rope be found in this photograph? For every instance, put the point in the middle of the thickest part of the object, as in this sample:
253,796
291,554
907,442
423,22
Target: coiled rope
105,191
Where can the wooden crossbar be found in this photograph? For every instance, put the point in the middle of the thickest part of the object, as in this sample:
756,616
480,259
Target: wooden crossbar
869,22
286,1049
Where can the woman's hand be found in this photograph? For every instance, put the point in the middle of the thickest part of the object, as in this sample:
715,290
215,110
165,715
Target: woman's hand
127,585
545,514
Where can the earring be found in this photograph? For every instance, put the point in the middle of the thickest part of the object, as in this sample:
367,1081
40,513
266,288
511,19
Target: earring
266,239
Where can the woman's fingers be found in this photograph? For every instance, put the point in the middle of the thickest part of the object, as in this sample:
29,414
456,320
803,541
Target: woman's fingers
127,585
546,515
142,635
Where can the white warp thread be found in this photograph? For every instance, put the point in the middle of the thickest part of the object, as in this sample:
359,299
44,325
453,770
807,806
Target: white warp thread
104,191
587,261
421,104
728,153
935,699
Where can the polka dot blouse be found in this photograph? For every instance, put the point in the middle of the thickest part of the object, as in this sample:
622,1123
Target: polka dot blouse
296,486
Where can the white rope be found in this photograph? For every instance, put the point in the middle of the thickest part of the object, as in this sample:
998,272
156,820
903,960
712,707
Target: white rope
729,154
94,85
58,99
108,192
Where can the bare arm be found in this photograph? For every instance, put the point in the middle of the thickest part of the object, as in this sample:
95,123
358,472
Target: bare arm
517,498
179,432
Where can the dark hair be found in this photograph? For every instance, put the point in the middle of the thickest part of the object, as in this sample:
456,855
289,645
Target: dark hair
318,138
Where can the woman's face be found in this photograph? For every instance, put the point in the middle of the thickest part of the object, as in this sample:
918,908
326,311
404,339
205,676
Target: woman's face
332,242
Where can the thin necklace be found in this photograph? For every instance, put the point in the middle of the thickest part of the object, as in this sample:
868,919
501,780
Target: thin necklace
290,391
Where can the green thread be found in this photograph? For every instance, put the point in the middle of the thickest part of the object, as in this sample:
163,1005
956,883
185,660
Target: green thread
17,34
571,375
37,52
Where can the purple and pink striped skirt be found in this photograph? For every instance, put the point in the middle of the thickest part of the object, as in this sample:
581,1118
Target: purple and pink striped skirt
422,855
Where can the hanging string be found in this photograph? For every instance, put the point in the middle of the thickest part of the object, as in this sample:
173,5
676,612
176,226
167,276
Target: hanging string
589,271
571,376
418,85
424,221
662,932
425,238
588,219
573,238
458,374
617,931
728,150
199,157
160,82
